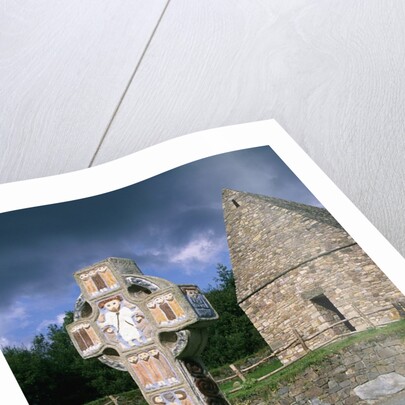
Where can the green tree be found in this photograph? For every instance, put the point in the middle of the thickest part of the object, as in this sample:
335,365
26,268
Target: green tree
52,372
31,371
233,336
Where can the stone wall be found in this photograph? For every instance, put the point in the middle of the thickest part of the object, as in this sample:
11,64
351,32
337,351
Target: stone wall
286,256
333,380
347,277
268,236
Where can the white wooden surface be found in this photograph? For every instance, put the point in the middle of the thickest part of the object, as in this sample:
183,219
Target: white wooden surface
330,72
63,68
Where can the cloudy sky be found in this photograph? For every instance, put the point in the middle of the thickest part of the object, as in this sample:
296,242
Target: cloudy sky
171,225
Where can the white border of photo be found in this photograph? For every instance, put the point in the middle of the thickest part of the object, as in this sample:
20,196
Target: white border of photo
186,149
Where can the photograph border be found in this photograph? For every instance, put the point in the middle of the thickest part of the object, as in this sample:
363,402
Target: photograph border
179,151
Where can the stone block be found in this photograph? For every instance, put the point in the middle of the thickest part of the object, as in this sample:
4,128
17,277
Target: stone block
386,352
352,400
313,392
344,384
359,366
339,369
332,384
283,391
381,386
340,377
361,379
386,369
400,368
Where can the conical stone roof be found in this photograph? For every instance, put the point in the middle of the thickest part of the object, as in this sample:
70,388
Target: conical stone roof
269,237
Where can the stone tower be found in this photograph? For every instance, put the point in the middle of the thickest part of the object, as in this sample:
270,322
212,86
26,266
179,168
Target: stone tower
296,268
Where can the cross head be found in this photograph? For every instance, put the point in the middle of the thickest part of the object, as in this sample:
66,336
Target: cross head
147,326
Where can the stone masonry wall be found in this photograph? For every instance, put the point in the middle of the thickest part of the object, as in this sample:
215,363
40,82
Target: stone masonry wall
266,239
333,380
284,254
346,277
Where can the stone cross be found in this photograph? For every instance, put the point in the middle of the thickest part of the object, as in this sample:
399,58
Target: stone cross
148,326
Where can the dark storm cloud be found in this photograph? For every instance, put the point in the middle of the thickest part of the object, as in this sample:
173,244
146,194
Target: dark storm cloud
151,221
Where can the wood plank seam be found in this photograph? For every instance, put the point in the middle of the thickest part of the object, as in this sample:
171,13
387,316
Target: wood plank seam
129,83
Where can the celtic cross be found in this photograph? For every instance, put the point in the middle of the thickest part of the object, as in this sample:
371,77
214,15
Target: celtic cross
148,326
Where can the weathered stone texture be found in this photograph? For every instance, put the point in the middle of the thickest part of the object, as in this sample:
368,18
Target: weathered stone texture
334,380
286,254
